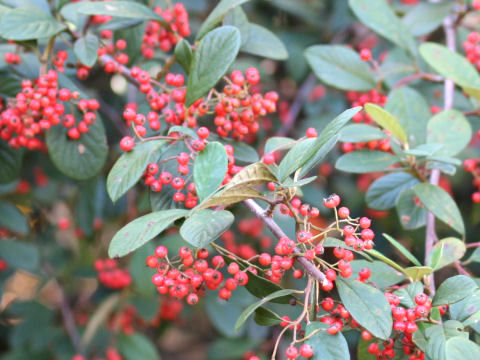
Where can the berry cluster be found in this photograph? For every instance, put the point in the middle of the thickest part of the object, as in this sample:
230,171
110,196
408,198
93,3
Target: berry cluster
110,354
157,35
111,276
472,48
473,166
38,107
12,58
193,274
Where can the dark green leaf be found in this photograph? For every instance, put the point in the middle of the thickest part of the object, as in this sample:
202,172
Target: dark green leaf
458,348
426,17
230,349
306,153
209,169
184,54
365,161
451,129
262,42
137,346
11,160
411,213
412,112
251,309
129,167
217,15
385,191
85,49
453,290
367,305
27,23
340,67
437,335
205,226
386,121
211,59
265,317
439,202
326,346
19,254
378,16
138,232
402,249
79,159
361,133
450,64
446,252
278,143
13,219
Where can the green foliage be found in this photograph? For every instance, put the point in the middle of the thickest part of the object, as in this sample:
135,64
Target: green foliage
453,290
212,58
209,169
367,305
446,252
384,192
85,49
365,161
340,67
326,346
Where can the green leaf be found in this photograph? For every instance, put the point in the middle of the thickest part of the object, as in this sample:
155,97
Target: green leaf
475,256
230,349
378,16
326,346
211,59
407,294
277,143
458,348
19,254
367,305
137,346
365,161
306,153
11,160
182,130
385,191
217,15
183,54
333,242
450,64
426,17
424,150
141,230
124,9
361,133
251,309
439,202
340,67
382,276
411,213
453,290
262,42
411,111
28,23
142,275
209,169
386,121
205,226
402,249
79,159
241,151
451,129
386,260
437,336
133,35
130,166
446,252
13,219
265,317
417,272
467,307
85,49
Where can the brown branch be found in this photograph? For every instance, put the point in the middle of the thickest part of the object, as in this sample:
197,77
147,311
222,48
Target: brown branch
278,232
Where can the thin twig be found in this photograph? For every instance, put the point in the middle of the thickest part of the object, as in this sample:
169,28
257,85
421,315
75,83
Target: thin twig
278,232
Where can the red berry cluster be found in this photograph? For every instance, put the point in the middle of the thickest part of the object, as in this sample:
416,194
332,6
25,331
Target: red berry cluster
158,36
38,107
306,351
473,166
124,320
12,58
196,275
110,354
116,51
472,48
110,275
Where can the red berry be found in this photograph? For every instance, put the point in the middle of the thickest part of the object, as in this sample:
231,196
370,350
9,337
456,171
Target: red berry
365,54
127,143
269,159
421,298
291,352
306,350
